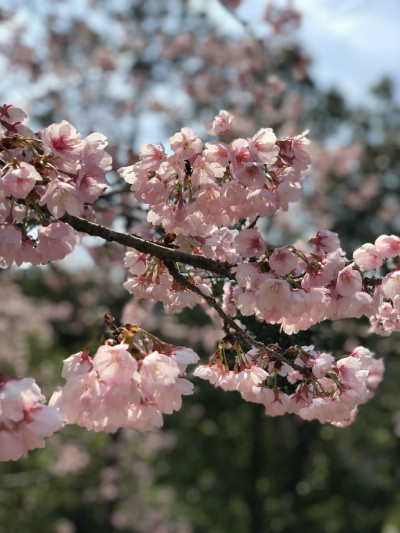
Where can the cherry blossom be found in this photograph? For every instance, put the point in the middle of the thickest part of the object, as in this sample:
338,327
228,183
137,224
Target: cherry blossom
222,122
186,143
63,141
56,241
201,244
368,257
24,418
19,182
249,243
123,386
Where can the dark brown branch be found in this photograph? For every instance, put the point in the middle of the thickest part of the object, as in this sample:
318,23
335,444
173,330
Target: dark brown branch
372,281
169,257
251,226
228,321
149,247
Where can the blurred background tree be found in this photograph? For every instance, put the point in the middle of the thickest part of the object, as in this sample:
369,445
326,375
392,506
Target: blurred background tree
138,71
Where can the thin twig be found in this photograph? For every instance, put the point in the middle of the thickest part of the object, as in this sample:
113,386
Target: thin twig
251,226
228,321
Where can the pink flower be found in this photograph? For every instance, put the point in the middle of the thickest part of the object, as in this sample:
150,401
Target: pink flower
94,152
136,262
24,418
356,305
108,392
186,143
135,175
137,286
349,281
173,167
158,371
263,144
205,173
209,201
246,166
56,241
294,151
61,197
322,365
227,380
12,116
221,122
286,192
10,242
77,364
169,399
151,156
19,182
217,153
235,198
249,243
11,212
183,357
79,399
331,265
368,257
90,184
388,245
27,254
374,366
250,379
260,202
324,409
144,417
278,406
213,374
391,284
115,365
273,293
283,261
326,240
64,141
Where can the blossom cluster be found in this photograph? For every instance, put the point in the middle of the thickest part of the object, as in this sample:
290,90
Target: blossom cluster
24,418
152,281
193,195
44,176
126,384
199,189
387,317
292,286
204,202
325,389
298,287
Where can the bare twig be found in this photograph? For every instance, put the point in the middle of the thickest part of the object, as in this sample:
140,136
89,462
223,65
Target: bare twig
251,226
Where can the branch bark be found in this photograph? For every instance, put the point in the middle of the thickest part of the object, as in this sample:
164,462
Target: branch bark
161,251
169,257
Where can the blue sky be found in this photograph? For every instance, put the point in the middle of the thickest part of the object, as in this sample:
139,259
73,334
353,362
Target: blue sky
352,43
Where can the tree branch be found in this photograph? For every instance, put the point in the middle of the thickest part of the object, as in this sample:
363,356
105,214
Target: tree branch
228,321
161,251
